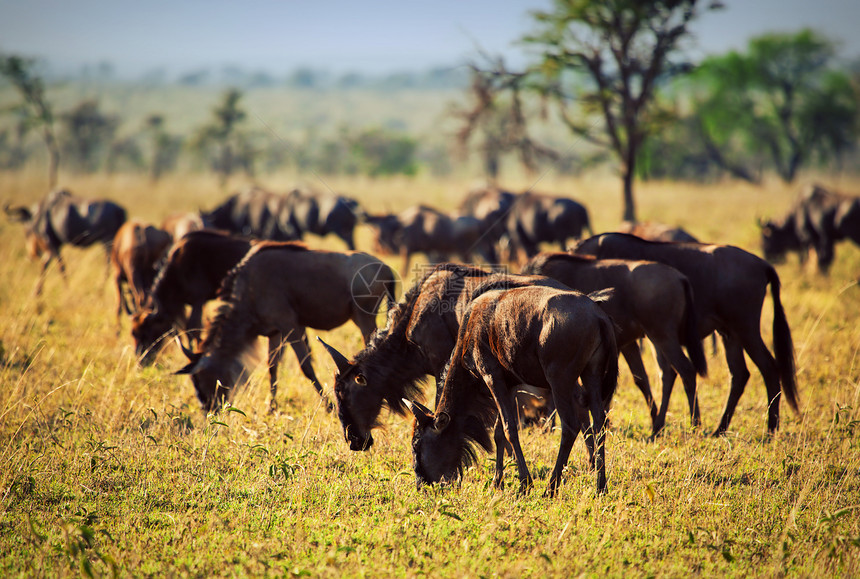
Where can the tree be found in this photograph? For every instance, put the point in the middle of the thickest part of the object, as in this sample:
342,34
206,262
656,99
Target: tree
781,100
380,152
38,112
164,147
495,114
87,135
222,143
618,51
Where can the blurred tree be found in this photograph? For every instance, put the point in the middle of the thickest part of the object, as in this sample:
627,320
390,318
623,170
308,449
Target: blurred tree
36,110
622,49
381,152
125,155
781,99
495,115
222,144
87,134
164,147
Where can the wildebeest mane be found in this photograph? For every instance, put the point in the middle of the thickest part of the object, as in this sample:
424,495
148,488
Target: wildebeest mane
226,289
393,343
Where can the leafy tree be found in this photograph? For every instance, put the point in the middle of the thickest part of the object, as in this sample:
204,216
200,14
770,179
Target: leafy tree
87,135
164,147
36,110
781,101
381,152
616,51
223,143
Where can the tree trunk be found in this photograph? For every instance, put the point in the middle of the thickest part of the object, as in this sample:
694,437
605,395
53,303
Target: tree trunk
53,159
629,203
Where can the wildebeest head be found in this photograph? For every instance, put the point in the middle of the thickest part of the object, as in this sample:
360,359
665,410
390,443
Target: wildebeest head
779,238
438,447
213,380
387,236
358,402
149,328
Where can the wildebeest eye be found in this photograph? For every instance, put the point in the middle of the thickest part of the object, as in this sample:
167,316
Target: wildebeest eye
360,380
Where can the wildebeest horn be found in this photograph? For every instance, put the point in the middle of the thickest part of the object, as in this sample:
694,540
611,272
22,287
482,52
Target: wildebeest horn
340,360
197,364
189,353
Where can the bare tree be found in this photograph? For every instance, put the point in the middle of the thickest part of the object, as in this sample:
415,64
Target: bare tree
20,73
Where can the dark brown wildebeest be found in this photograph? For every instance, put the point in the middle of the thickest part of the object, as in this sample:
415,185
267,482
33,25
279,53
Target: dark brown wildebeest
649,299
655,231
278,290
318,213
490,206
136,250
819,219
191,275
547,337
178,224
729,287
533,219
253,212
422,229
417,341
61,218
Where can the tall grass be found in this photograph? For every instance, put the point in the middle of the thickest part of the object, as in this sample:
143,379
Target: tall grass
108,468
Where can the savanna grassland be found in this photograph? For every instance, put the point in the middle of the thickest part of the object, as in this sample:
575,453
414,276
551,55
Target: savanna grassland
109,468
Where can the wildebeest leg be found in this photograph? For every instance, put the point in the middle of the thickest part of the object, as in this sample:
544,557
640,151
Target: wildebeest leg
303,353
592,382
194,323
764,361
121,304
640,377
824,250
404,255
508,415
276,350
671,357
501,446
571,423
740,376
47,257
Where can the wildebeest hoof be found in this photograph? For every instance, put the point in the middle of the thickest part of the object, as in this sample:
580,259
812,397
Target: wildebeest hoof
273,407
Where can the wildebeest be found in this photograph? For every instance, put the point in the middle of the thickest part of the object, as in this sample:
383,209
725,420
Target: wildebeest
278,290
418,339
253,212
490,206
62,218
136,250
655,231
178,224
533,219
423,229
819,219
323,213
729,287
547,337
191,275
649,299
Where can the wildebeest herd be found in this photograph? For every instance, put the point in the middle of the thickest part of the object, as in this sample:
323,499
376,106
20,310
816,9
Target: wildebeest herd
485,335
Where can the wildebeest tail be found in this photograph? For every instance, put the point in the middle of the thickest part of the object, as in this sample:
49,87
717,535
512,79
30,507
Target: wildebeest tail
783,345
691,339
610,374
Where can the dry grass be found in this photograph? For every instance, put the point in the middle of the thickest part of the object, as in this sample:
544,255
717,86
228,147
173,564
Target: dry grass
109,467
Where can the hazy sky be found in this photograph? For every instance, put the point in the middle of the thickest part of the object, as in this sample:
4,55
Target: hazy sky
338,35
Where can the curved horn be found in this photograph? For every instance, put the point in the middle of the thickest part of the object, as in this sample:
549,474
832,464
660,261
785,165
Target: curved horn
339,359
185,350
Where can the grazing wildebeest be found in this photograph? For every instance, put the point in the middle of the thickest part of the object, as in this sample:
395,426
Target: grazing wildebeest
429,231
136,250
61,218
655,231
547,337
729,287
322,213
533,219
253,212
278,290
417,341
178,224
818,220
191,275
649,299
490,206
